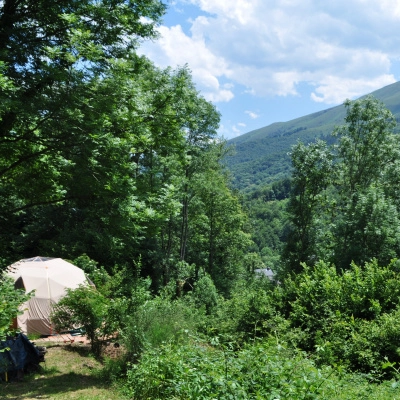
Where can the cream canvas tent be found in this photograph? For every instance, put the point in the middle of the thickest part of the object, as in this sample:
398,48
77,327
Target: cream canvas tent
49,277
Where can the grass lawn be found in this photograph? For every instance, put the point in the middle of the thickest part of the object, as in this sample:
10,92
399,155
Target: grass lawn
69,372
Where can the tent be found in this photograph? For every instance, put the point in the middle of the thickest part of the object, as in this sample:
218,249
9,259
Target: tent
49,278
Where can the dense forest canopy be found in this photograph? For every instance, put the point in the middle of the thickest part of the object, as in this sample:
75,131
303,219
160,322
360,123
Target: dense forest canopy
344,201
340,202
104,154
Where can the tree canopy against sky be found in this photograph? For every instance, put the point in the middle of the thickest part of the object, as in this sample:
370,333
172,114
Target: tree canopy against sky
100,151
344,201
55,59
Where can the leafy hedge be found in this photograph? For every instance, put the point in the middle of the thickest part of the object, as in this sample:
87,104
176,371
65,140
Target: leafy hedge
347,317
261,370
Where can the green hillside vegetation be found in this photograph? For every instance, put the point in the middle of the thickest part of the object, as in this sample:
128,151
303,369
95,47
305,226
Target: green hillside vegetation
261,156
364,153
115,164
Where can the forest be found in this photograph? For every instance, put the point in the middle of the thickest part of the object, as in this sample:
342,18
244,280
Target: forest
115,164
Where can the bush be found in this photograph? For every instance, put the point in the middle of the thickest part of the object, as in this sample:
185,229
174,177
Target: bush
266,369
198,370
205,294
253,311
365,346
156,322
88,308
321,292
348,318
10,300
351,317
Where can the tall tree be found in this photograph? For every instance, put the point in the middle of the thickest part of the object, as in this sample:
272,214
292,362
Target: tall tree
312,173
367,150
53,61
349,212
103,153
366,145
218,238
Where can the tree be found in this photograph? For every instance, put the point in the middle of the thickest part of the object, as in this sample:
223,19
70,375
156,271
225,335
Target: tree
344,206
54,63
374,223
219,236
312,173
367,224
108,155
85,307
366,145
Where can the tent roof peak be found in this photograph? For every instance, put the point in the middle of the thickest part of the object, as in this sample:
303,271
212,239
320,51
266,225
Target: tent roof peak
37,259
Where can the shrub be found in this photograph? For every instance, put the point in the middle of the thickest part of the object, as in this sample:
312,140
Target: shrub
198,370
351,316
264,369
88,308
362,345
205,294
156,322
10,300
253,311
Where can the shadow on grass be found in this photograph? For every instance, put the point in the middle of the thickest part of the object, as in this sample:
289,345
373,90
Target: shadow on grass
107,350
83,351
48,385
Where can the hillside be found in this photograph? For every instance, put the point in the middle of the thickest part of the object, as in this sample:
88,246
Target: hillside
261,156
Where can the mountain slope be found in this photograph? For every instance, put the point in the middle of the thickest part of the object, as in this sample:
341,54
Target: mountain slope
261,156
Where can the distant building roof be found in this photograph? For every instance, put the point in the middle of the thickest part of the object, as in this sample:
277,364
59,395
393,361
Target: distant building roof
265,272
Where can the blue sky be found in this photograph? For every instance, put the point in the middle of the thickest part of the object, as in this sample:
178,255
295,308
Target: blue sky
265,61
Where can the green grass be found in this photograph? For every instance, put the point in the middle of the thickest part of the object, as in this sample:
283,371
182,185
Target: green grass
69,372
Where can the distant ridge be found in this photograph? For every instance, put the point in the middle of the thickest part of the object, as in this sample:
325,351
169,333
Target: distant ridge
262,155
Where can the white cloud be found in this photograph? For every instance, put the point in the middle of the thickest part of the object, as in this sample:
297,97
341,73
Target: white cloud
175,48
270,47
252,114
334,90
235,129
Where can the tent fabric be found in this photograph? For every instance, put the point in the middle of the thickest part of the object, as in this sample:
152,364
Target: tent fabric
19,353
49,278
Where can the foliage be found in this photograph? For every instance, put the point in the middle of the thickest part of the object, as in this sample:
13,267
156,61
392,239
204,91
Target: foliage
369,127
366,346
87,308
312,174
110,160
349,315
106,309
268,225
108,155
369,228
156,322
250,312
340,208
10,301
205,294
367,218
56,112
263,370
70,371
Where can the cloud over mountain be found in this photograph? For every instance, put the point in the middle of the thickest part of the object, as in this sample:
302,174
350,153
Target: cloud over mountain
270,48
